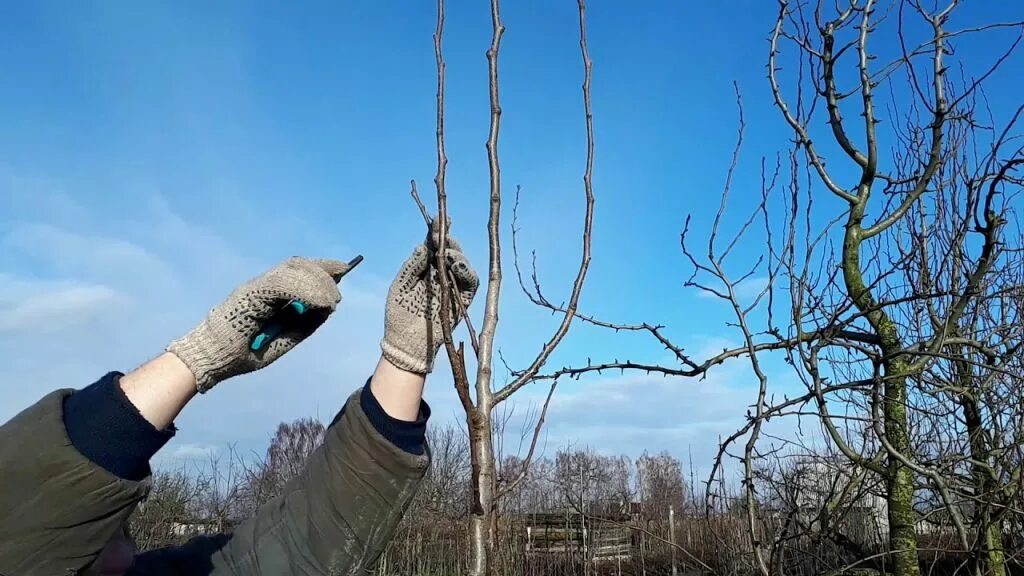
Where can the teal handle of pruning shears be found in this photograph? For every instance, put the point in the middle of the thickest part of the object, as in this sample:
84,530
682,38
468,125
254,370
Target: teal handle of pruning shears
273,328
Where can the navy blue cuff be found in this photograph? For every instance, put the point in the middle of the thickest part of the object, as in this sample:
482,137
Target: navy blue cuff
105,427
409,436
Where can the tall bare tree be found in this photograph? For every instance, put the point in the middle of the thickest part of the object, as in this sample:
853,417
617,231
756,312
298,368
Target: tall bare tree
478,394
285,459
939,152
660,485
873,286
966,425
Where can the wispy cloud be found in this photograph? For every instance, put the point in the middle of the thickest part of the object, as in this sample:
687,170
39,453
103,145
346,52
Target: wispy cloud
191,451
46,307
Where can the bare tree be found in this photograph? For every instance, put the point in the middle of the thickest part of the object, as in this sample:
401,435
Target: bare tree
200,498
446,489
660,485
285,459
590,483
479,396
966,426
881,293
936,129
172,501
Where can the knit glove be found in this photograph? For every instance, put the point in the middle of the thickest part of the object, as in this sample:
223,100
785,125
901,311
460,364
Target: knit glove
219,347
412,318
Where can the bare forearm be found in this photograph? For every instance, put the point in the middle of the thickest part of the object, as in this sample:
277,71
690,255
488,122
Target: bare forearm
160,389
398,391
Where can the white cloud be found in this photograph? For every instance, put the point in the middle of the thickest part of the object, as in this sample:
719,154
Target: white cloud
71,252
191,451
51,307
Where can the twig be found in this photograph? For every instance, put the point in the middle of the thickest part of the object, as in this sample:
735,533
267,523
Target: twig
462,312
419,203
509,487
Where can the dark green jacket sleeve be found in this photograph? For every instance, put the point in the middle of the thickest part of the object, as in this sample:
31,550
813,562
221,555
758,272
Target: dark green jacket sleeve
334,519
57,509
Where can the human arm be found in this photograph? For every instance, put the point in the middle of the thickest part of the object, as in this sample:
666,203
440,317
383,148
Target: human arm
337,515
340,513
74,465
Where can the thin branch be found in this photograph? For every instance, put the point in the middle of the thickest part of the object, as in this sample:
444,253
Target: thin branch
870,166
577,288
835,117
798,127
455,354
490,323
939,116
419,203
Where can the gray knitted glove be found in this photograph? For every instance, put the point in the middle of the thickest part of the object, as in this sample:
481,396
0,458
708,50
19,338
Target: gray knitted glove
412,318
219,347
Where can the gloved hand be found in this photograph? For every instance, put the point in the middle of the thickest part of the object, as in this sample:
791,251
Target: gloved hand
412,318
219,347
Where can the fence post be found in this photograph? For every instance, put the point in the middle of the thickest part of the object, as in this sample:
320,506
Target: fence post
672,537
583,524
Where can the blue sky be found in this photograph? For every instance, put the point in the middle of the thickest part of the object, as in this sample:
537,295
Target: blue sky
156,154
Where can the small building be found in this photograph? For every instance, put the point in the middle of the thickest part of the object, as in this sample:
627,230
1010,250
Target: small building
608,538
861,506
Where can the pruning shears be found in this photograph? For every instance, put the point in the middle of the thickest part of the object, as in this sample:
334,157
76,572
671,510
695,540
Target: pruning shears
288,315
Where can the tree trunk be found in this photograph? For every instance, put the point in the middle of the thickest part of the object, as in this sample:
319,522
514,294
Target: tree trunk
898,478
900,484
988,554
994,554
481,525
